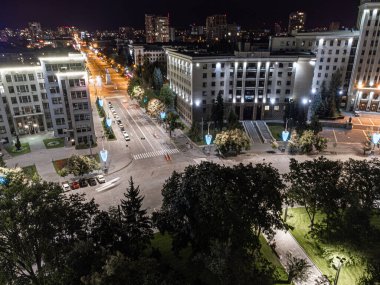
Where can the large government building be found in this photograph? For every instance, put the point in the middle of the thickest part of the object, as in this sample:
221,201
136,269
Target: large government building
45,92
257,85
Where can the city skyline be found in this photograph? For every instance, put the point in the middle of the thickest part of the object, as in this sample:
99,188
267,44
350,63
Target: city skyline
117,13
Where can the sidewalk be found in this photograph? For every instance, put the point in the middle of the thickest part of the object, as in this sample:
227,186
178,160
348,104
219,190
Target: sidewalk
286,243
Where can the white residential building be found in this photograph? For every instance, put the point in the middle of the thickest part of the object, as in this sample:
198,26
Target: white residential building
364,90
52,95
255,85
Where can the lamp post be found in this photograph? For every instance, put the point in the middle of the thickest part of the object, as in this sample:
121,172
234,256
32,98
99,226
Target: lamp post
375,139
341,260
104,154
208,139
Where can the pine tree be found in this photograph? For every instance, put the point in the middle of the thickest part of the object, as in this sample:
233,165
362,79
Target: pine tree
136,224
157,78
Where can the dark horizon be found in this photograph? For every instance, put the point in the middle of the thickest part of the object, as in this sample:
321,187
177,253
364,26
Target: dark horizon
118,13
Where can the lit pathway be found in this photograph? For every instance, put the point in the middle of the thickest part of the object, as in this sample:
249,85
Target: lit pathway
286,243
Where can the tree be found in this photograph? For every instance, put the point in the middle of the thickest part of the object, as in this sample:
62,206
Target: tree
136,224
218,112
155,107
315,125
18,144
38,227
313,183
297,268
173,122
157,78
330,96
167,96
195,132
233,140
233,121
79,165
308,141
214,208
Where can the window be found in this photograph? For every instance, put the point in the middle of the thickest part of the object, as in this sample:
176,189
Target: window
19,77
213,84
11,89
8,78
279,83
222,74
278,91
204,93
13,100
204,66
35,98
204,84
22,88
42,85
213,74
31,77
279,74
221,83
213,92
204,75
288,83
33,87
52,79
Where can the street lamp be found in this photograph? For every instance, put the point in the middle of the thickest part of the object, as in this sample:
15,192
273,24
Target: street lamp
341,260
375,139
208,138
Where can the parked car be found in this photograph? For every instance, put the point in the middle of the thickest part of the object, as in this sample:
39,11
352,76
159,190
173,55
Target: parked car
126,136
117,118
109,104
100,178
74,185
356,114
66,186
83,183
92,181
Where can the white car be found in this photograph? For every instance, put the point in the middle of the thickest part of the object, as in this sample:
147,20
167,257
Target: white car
126,136
100,178
66,187
117,118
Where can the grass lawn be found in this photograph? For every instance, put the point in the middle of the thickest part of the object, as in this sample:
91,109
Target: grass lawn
30,171
276,131
190,271
321,253
25,148
54,143
269,255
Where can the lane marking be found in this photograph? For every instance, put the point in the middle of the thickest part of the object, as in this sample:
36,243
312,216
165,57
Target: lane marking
336,140
151,154
131,127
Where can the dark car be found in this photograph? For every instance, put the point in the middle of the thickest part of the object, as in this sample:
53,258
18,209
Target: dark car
91,181
74,185
83,183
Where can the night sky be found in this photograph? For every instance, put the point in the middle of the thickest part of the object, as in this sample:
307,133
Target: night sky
114,13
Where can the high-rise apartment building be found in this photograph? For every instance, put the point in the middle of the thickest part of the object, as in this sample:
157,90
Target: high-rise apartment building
157,29
364,90
35,30
296,22
52,95
218,29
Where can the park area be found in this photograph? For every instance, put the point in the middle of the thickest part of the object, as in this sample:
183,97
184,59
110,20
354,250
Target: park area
324,254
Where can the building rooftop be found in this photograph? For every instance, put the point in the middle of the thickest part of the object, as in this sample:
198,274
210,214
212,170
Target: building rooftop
11,56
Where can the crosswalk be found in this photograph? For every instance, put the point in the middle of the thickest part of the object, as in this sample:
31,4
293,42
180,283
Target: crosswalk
154,153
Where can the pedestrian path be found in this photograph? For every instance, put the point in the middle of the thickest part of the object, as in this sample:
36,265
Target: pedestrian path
287,244
154,153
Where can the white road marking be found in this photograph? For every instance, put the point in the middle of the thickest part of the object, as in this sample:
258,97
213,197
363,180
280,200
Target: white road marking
336,140
154,153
